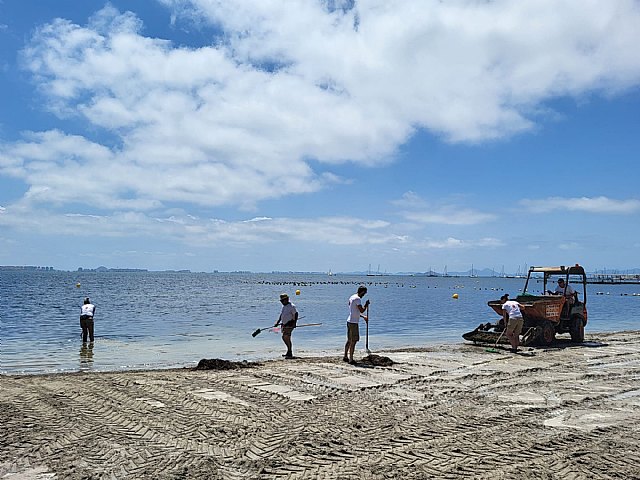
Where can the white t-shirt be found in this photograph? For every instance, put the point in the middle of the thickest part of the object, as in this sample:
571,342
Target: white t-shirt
354,312
512,309
288,313
87,309
568,292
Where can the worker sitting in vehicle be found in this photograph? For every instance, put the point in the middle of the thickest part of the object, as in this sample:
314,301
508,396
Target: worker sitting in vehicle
566,290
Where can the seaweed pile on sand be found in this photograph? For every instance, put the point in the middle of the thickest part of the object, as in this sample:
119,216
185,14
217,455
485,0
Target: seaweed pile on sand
219,364
377,360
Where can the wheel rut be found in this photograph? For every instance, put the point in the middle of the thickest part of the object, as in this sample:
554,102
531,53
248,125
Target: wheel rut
568,413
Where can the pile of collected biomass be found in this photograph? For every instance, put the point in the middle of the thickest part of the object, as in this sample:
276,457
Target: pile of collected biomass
219,364
377,360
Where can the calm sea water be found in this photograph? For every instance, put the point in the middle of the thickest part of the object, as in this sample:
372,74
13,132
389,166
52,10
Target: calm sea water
160,320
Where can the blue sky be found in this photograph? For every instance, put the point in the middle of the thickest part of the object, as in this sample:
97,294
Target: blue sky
319,135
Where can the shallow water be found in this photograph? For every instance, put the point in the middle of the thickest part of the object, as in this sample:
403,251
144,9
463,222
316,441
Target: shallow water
159,320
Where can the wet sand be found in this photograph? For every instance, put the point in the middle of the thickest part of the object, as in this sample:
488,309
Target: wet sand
453,411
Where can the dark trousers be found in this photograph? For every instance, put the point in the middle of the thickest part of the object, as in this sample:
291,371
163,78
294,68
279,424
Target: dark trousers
86,323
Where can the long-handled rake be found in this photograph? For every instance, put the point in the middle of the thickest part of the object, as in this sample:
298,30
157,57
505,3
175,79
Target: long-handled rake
366,342
493,349
259,330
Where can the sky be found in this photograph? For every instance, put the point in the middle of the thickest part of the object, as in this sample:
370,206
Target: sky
333,135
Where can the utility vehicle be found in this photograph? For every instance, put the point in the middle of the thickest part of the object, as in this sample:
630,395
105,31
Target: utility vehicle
546,313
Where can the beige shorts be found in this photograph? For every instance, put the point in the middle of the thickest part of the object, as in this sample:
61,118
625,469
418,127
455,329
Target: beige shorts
287,331
353,332
515,326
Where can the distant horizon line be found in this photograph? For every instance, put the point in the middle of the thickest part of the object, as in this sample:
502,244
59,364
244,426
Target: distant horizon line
473,272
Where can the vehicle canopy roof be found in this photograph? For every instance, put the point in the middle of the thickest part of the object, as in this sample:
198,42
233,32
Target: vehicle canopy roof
561,270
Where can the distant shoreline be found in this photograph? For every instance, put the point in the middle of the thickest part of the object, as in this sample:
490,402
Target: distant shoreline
592,278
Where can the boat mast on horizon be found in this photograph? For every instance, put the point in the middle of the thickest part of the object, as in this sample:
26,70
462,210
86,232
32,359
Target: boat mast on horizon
377,274
472,272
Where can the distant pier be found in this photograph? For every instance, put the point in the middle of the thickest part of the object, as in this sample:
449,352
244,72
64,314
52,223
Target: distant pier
614,279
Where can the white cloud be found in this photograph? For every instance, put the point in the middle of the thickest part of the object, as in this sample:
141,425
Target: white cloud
471,70
450,215
583,204
410,200
212,126
209,232
447,243
416,209
489,242
456,243
570,246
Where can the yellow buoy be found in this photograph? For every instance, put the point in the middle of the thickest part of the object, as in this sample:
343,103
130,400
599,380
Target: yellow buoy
297,292
455,295
78,285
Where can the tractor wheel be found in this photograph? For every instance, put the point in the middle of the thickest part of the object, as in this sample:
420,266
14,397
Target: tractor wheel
577,330
546,333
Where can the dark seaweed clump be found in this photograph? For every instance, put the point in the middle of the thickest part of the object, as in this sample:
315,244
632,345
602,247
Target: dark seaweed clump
378,360
219,364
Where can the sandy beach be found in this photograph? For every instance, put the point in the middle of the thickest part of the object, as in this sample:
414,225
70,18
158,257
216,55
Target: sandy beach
452,411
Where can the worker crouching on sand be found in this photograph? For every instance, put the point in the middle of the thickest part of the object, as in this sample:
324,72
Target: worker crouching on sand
513,320
288,319
353,331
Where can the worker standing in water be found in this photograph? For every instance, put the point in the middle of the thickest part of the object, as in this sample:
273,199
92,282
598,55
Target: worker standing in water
87,311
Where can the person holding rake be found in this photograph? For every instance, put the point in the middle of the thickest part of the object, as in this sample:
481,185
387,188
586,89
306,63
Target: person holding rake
288,319
353,332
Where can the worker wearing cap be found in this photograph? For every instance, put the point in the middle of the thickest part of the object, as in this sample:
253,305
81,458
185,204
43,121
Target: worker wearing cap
566,290
288,318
